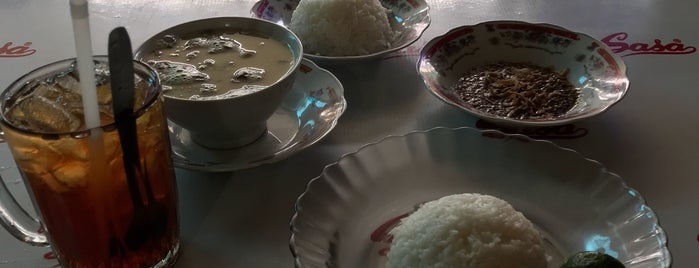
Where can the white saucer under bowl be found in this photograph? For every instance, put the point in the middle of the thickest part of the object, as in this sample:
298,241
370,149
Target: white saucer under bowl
308,113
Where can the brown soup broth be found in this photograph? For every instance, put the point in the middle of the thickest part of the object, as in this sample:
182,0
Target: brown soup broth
216,63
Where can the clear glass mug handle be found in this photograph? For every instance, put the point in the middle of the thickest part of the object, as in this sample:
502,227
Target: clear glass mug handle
16,219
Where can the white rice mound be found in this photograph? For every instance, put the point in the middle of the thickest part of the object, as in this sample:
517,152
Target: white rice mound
342,27
466,230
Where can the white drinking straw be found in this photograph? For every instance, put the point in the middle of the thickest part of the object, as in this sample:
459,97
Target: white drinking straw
86,67
86,71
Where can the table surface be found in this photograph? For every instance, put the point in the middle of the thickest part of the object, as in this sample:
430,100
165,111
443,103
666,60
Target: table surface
241,219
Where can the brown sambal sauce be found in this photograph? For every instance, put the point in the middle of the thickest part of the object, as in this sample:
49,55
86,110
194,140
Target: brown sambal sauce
517,90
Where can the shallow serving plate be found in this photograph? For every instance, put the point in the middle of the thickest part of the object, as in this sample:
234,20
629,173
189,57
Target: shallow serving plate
410,17
592,66
308,113
343,217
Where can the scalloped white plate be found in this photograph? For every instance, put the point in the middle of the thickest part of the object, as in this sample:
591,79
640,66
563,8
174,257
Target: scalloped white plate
343,217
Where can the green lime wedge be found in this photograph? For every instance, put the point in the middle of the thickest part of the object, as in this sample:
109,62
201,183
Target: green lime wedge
591,259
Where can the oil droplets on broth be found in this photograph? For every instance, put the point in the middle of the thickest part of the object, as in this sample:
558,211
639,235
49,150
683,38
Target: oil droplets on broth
218,65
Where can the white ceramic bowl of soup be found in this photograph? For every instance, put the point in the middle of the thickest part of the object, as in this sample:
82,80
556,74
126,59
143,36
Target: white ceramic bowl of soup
199,64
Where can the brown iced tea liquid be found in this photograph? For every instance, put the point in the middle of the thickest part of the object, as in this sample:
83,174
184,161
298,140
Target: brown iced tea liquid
86,210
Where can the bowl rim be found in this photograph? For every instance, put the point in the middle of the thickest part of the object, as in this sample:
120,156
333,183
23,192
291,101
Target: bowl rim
623,78
662,235
138,52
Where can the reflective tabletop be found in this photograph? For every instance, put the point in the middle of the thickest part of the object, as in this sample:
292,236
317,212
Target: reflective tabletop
241,218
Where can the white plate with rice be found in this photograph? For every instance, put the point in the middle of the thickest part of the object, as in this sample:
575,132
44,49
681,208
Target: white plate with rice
331,34
345,217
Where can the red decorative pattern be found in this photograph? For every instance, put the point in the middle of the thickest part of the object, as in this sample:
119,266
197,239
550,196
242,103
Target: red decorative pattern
413,3
451,36
305,69
10,50
261,8
538,28
50,255
617,43
613,66
381,234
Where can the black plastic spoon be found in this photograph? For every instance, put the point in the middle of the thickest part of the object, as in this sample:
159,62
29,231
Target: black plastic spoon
150,216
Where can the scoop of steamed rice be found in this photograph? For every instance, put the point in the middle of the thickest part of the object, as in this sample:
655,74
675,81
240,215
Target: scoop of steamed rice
466,230
342,27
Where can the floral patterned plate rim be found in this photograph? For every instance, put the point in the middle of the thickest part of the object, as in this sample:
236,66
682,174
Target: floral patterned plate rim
588,64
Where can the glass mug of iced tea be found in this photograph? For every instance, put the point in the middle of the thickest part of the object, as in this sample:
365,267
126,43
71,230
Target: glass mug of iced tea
90,213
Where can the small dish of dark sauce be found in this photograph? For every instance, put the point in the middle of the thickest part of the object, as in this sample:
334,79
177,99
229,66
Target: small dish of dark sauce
517,91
